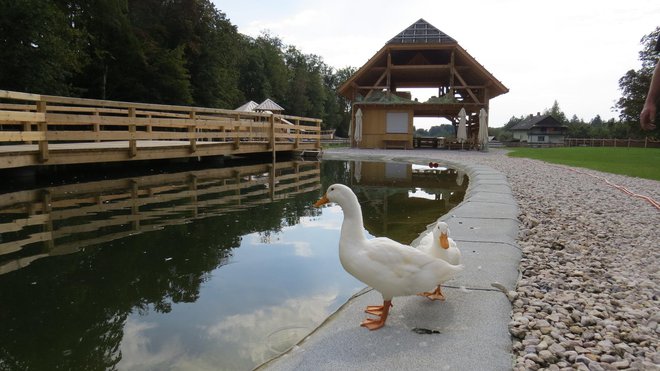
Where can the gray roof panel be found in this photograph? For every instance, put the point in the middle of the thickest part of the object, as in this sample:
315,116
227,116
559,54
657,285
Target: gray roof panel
421,32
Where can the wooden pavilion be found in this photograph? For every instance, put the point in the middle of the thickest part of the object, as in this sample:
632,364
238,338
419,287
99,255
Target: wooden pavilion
421,56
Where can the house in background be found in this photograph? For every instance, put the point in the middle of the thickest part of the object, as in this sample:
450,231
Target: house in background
540,129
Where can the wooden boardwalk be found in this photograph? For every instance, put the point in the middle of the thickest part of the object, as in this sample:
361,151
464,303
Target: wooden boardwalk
51,130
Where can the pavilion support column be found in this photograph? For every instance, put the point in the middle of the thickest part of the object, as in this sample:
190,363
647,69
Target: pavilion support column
452,70
389,73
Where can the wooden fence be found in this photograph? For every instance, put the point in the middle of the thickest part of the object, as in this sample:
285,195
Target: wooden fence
41,130
601,142
65,219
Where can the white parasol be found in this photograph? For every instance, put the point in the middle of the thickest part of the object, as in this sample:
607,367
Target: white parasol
358,126
483,129
461,134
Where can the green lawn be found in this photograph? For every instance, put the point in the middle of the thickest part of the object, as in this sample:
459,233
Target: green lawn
636,162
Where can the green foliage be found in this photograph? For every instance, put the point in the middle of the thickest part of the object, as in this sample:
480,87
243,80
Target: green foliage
634,86
444,130
557,113
173,52
39,51
636,162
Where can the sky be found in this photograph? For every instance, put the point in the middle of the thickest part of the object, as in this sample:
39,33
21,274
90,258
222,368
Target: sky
573,52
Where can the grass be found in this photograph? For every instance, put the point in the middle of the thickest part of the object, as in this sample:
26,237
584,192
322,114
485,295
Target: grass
635,162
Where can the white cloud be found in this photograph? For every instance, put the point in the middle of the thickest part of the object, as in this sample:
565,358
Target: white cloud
565,50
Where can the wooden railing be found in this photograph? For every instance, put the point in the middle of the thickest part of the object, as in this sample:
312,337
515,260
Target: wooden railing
54,123
65,219
602,142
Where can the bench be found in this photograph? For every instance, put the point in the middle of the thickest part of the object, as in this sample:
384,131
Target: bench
420,142
396,143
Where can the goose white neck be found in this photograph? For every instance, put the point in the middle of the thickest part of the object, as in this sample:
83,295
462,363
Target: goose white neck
352,227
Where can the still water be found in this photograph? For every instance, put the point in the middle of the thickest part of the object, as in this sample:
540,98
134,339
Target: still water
212,268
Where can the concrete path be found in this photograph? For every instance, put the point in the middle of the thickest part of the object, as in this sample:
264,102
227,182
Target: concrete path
466,332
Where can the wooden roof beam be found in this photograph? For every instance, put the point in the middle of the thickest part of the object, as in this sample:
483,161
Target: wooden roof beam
470,92
374,87
404,67
378,82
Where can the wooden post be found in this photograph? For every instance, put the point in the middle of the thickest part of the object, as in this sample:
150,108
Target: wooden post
237,139
237,191
27,126
97,125
272,133
192,186
192,129
43,127
451,75
318,132
149,128
297,143
132,144
48,225
389,69
272,179
135,204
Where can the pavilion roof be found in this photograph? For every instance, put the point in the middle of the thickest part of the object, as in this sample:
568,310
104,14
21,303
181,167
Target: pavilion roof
421,56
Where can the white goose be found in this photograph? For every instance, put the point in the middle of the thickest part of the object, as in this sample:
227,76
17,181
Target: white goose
440,246
391,268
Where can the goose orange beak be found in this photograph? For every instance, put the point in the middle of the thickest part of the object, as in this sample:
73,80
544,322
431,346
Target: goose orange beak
324,200
444,241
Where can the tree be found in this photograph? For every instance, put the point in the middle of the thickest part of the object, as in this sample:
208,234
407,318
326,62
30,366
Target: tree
262,70
596,122
39,49
635,84
513,121
557,113
212,53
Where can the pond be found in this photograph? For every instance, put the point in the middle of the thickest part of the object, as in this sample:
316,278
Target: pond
217,267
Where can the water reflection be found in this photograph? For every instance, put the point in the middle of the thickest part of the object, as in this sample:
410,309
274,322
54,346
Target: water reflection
68,218
399,197
215,268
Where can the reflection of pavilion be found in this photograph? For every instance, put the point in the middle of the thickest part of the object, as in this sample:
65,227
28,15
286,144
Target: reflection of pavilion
66,219
400,196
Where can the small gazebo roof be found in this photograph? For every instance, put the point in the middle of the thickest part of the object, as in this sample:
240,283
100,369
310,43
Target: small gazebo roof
247,107
269,105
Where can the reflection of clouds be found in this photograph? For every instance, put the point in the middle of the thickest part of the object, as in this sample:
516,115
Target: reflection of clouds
419,193
259,336
332,219
139,354
302,248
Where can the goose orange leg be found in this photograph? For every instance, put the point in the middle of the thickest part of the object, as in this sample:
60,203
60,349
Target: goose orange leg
381,312
376,310
434,295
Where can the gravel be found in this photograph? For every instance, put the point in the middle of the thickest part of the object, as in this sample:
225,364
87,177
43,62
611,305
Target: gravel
588,293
